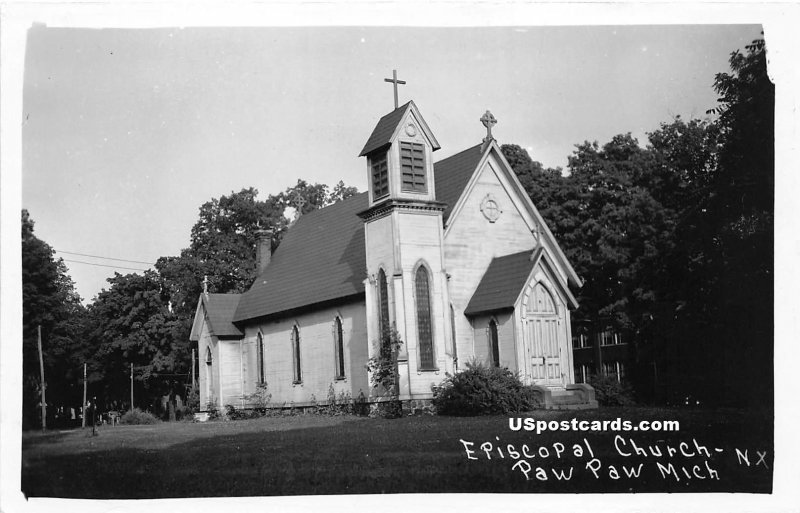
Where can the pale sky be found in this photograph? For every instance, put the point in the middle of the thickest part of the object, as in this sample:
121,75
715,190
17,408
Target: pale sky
126,132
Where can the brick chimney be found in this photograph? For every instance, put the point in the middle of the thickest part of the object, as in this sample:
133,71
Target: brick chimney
263,249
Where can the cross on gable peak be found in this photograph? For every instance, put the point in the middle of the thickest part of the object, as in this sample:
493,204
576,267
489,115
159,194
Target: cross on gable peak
488,121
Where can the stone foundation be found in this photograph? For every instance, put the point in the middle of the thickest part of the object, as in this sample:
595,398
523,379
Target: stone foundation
418,407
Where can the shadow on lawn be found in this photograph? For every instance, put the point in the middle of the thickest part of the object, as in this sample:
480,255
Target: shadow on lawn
410,455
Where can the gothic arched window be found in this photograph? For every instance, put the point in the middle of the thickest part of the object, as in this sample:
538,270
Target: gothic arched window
298,375
209,375
494,346
260,350
338,342
453,334
424,327
383,298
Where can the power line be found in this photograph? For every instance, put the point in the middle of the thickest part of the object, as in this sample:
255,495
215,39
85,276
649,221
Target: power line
105,258
103,265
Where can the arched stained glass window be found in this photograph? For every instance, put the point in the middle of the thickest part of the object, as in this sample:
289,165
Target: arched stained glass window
383,294
260,351
424,327
338,341
494,346
298,375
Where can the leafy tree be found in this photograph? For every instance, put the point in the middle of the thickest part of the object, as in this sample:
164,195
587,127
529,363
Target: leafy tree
722,302
341,192
222,247
684,162
49,300
618,230
543,185
131,323
675,240
610,228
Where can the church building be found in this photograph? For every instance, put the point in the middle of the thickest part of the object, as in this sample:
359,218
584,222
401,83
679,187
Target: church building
452,254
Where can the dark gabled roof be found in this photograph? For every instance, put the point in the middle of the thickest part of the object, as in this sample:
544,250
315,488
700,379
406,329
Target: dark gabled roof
453,173
382,134
321,258
502,282
219,311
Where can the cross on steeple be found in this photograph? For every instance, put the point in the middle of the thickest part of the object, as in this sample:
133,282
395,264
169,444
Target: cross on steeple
205,285
395,82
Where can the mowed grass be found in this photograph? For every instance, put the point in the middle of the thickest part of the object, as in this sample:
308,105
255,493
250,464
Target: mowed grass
310,454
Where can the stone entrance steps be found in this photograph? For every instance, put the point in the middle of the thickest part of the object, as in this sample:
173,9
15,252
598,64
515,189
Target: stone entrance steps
572,397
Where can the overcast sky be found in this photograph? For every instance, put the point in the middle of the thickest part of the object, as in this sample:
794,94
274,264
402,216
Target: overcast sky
127,132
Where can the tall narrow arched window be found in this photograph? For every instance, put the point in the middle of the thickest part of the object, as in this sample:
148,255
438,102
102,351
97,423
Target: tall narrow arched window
338,343
424,327
209,374
260,351
494,346
453,334
298,374
383,297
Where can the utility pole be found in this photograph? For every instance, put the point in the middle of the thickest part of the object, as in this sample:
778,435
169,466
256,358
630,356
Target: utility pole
194,383
131,386
83,407
41,368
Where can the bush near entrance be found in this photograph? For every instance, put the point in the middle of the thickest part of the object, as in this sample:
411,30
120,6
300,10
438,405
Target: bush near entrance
483,390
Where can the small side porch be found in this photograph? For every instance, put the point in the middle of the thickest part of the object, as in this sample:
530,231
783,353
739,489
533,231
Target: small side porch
525,305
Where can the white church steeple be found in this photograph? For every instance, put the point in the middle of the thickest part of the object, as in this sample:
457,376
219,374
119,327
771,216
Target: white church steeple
399,155
403,231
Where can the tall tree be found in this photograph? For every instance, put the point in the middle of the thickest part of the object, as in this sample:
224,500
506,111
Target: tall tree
49,300
131,323
724,258
618,229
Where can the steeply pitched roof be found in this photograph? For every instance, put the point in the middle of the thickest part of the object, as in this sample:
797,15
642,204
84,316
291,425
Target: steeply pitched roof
452,174
502,282
382,134
321,258
219,310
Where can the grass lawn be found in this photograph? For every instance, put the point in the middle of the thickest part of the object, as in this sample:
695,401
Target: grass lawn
309,454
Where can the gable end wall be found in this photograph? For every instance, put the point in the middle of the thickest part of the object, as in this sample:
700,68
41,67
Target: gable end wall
471,241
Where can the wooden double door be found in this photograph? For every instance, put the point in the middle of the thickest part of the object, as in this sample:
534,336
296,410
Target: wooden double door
542,328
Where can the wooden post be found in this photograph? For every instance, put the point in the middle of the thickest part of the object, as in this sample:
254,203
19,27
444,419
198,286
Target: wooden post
131,386
41,368
83,406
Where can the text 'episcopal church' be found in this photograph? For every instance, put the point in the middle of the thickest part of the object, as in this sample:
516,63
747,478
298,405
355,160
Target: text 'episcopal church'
453,254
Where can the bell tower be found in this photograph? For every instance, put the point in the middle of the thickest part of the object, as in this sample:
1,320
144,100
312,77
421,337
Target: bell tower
406,286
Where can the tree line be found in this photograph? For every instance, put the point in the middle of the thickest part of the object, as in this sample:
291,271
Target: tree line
674,241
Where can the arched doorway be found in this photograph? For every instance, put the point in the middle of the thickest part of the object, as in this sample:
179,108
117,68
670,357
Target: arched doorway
542,337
